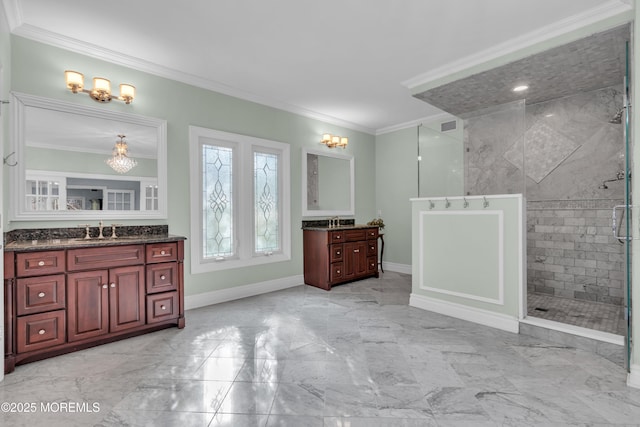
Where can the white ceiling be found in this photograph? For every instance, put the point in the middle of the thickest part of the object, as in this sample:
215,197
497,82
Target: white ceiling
343,61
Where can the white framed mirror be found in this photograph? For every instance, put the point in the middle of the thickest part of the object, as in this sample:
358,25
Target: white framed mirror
328,183
60,150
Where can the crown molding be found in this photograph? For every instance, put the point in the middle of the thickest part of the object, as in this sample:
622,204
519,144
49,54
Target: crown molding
564,26
94,51
415,123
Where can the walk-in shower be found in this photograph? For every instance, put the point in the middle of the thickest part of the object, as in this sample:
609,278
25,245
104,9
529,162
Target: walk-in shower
563,147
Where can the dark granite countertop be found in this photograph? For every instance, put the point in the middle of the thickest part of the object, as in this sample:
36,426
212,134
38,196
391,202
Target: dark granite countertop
53,244
338,228
38,239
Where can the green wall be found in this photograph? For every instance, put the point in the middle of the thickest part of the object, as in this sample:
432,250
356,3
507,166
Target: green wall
396,182
38,69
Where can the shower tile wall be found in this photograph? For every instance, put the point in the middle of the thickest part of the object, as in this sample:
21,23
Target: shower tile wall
568,150
571,251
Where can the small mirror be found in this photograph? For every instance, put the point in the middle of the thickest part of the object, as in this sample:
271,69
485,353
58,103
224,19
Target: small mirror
61,150
328,183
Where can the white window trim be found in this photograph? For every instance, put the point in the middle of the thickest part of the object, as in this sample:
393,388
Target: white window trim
243,200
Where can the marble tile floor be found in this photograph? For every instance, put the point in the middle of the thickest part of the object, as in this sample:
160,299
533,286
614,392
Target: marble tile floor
356,356
587,314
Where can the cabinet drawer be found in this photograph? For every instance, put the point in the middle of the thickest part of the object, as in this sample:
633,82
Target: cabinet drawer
336,253
372,233
336,237
104,257
372,248
39,263
38,331
162,307
162,277
355,235
39,294
372,264
162,252
337,271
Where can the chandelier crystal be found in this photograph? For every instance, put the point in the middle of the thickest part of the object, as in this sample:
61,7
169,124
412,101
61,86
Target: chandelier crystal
120,161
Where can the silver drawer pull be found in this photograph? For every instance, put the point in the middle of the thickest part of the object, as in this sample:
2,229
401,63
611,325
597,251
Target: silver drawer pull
337,237
164,307
356,250
338,271
162,252
338,252
162,277
41,295
113,285
42,332
40,263
105,286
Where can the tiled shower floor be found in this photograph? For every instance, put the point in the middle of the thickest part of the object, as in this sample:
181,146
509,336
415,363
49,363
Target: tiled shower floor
587,314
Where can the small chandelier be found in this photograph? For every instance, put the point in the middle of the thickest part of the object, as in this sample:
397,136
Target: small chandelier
101,91
120,161
333,141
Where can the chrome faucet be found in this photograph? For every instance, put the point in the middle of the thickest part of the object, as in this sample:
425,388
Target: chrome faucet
334,222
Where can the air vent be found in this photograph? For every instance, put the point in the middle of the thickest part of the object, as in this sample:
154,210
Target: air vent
447,126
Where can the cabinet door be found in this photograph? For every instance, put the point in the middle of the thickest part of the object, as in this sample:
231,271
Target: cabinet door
126,298
355,259
88,304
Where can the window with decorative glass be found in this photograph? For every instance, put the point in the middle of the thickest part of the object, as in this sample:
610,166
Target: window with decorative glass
240,200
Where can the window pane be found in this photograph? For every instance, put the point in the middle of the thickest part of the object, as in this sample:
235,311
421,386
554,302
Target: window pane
217,201
266,202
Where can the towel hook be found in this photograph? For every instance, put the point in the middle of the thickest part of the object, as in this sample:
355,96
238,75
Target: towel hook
431,204
485,203
446,203
466,203
6,160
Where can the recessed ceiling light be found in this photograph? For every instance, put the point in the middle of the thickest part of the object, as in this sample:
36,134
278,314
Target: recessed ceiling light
520,88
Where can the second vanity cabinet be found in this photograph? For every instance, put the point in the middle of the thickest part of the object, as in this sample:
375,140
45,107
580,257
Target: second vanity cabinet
339,255
57,301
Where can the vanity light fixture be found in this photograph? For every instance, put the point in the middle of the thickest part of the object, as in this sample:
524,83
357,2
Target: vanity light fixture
120,161
101,90
333,141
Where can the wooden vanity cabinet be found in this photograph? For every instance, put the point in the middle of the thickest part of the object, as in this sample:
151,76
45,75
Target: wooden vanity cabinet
64,300
333,256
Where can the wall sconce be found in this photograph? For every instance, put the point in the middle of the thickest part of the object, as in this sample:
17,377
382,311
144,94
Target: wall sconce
333,141
101,91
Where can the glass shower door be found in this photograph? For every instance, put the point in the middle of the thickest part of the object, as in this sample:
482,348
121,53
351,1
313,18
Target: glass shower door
628,207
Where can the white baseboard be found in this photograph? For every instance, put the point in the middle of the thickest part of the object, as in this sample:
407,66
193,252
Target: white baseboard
238,292
633,378
475,315
398,268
